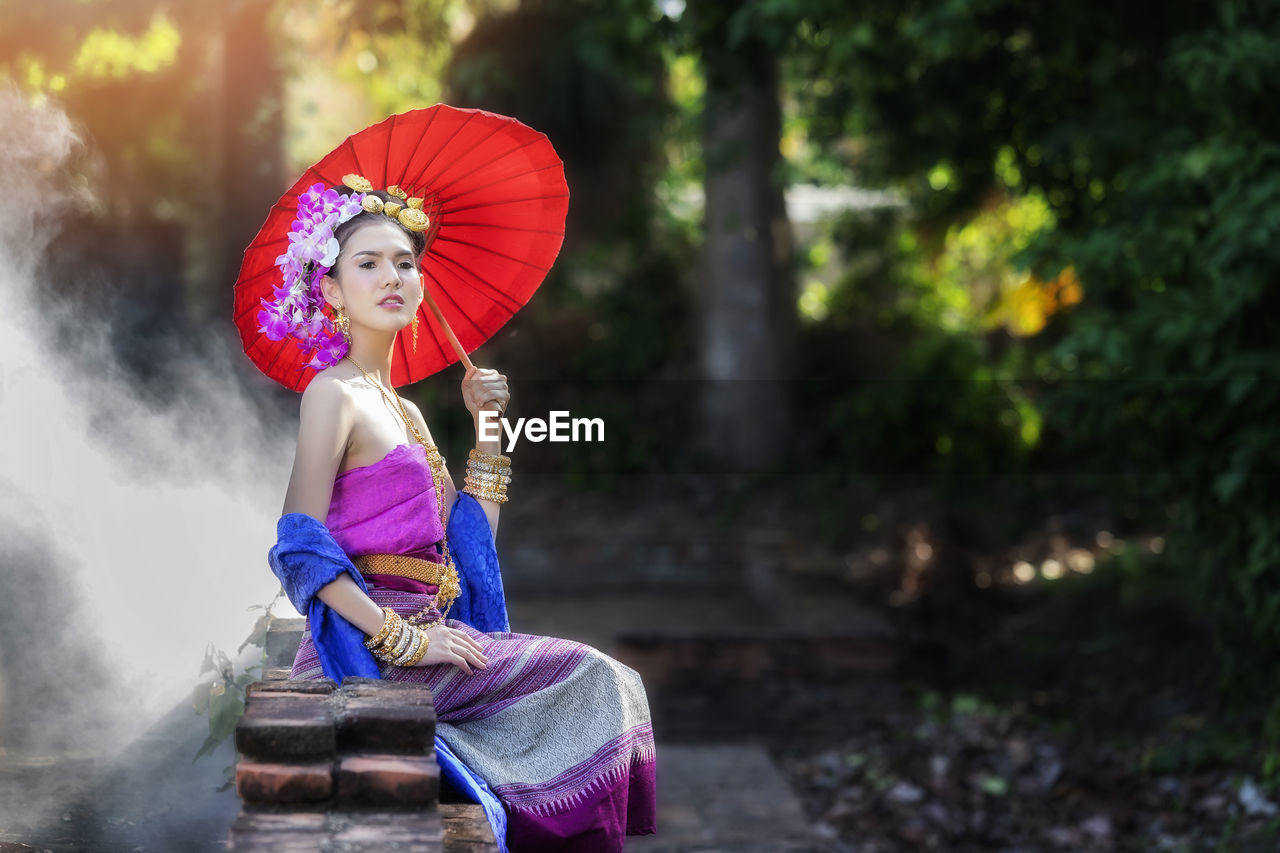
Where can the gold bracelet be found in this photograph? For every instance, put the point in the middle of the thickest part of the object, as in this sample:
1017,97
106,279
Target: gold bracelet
485,480
491,458
422,649
395,645
485,494
393,636
388,620
408,642
473,487
498,477
415,642
473,465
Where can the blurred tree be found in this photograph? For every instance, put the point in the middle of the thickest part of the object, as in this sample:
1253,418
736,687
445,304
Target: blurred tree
180,108
1147,130
746,304
252,174
589,74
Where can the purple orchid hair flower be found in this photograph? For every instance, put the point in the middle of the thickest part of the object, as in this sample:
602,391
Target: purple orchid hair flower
297,308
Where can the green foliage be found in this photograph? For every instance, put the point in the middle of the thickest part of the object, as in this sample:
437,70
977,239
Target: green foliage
1182,389
942,412
222,694
1151,138
936,389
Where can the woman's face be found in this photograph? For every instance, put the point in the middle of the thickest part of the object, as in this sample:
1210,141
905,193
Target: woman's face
376,278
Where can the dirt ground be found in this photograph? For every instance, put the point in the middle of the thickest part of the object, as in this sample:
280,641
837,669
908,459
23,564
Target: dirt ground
1045,700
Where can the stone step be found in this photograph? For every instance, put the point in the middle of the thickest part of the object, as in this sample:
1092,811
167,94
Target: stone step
363,831
728,797
601,564
284,635
466,829
598,619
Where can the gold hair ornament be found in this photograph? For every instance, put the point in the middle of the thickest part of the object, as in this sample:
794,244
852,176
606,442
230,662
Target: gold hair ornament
408,211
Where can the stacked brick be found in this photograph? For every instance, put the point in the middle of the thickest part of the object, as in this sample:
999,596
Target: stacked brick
345,769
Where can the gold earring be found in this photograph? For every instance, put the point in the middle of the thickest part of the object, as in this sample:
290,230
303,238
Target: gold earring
415,331
343,322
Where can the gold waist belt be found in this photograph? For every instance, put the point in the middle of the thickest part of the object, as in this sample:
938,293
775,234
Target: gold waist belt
445,577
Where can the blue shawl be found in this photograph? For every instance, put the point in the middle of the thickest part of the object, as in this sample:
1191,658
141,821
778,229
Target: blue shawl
306,558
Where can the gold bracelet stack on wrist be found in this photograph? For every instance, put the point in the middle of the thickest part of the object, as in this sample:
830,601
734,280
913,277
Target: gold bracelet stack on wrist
398,643
487,476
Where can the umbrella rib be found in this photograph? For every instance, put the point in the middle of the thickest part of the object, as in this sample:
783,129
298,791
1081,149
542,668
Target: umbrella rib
245,281
507,179
461,313
440,189
259,275
419,179
279,351
498,182
355,157
323,179
495,294
270,238
421,174
252,305
472,147
422,135
386,157
493,252
455,225
479,205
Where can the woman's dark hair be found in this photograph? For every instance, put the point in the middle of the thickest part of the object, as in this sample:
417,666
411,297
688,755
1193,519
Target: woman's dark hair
417,240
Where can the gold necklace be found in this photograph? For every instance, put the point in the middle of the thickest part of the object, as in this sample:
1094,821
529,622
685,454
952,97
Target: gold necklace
449,587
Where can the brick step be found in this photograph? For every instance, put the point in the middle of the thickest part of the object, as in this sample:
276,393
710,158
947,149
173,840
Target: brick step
349,768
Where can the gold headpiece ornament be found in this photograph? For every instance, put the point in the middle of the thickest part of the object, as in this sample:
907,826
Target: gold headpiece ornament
409,214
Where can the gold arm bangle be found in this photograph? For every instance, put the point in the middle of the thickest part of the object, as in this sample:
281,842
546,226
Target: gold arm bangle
490,458
388,621
422,648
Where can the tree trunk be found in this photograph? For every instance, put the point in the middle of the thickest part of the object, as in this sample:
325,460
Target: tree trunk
252,132
746,307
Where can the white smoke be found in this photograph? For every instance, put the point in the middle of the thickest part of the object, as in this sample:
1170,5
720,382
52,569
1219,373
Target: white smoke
132,533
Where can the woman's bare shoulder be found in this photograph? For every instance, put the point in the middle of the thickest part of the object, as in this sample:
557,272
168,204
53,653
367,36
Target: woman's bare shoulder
325,426
328,406
329,387
416,414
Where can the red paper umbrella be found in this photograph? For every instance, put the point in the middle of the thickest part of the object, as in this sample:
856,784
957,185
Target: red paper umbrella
497,192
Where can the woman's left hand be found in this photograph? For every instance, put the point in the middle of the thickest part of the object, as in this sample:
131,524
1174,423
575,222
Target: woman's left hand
483,388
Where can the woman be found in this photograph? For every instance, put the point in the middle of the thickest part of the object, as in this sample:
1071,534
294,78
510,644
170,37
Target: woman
559,732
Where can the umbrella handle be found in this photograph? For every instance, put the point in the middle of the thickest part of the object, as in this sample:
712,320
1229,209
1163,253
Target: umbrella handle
444,324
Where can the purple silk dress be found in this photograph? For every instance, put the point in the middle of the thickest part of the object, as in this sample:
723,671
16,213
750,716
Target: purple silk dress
559,731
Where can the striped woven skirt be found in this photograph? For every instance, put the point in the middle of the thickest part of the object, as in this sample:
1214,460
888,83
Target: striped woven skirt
560,731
